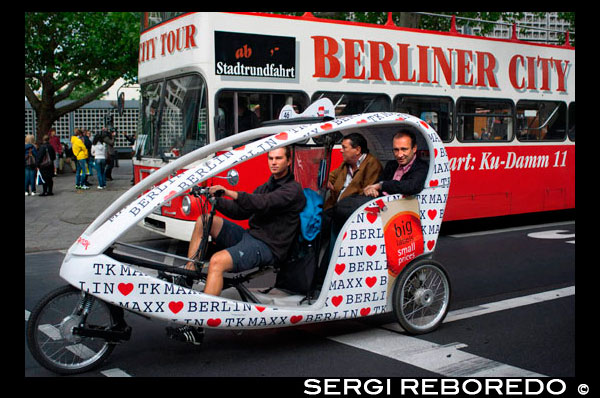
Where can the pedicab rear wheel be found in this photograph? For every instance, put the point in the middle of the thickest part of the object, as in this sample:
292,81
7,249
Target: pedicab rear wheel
50,334
421,296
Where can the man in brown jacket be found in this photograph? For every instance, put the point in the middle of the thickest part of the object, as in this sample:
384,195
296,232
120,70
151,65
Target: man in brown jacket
358,170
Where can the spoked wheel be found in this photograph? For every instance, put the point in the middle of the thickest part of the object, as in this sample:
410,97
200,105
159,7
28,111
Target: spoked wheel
421,296
50,334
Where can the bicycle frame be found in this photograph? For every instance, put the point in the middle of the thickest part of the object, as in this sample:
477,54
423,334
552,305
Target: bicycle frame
362,269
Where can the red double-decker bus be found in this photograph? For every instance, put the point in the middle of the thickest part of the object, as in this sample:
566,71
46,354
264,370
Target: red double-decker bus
505,109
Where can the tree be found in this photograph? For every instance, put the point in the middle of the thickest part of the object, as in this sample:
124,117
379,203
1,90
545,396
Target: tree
87,51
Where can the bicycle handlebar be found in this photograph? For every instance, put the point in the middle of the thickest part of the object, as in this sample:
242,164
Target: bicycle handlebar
198,191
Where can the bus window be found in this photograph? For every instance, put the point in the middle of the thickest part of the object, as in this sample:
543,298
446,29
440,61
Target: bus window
252,109
436,111
177,109
541,120
572,121
352,103
484,119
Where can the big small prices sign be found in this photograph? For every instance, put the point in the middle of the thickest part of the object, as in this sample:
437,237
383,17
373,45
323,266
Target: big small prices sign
402,233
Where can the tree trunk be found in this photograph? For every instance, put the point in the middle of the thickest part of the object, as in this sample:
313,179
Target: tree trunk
409,20
46,111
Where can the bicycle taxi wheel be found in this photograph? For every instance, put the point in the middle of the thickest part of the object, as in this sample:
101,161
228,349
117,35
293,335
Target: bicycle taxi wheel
50,334
421,296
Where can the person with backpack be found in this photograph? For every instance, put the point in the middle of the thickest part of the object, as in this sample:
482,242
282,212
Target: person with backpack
30,164
45,160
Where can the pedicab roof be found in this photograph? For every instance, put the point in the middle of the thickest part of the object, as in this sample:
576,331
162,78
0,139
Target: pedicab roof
131,208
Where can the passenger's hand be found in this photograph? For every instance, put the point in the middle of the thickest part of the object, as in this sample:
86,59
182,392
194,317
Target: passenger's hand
329,185
372,190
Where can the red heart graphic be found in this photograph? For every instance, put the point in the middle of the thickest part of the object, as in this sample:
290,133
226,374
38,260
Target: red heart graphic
336,300
430,244
400,118
125,288
371,249
240,148
326,126
371,217
296,318
175,306
282,136
435,152
365,311
433,183
259,308
424,124
361,121
345,234
214,322
339,268
370,281
432,213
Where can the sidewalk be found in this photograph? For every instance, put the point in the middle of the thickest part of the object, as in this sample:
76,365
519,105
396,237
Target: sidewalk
55,222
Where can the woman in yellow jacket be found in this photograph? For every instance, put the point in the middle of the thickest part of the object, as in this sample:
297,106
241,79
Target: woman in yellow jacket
80,151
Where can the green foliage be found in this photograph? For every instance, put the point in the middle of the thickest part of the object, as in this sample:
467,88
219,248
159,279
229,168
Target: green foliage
86,45
82,51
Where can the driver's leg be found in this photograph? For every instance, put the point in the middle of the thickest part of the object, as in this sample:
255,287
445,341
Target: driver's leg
220,262
197,237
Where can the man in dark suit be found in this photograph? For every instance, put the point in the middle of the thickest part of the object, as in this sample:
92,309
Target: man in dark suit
406,174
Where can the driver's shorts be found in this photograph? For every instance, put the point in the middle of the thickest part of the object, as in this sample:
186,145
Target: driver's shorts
246,251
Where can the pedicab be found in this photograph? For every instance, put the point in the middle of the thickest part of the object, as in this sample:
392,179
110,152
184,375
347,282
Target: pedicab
381,260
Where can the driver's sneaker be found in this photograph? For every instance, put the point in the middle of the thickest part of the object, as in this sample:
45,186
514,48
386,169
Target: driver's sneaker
186,334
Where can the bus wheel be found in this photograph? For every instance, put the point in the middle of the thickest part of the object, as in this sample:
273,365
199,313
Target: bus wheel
421,296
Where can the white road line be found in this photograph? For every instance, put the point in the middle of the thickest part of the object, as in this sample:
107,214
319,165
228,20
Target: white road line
116,372
499,231
447,360
509,303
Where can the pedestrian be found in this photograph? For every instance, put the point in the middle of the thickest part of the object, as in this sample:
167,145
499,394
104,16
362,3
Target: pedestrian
70,158
30,164
132,142
81,153
99,154
85,136
45,161
56,145
111,153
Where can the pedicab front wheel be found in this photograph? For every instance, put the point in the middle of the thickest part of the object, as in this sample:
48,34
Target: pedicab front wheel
421,296
50,335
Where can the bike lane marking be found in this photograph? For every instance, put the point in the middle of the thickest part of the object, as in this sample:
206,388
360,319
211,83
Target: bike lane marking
447,359
116,372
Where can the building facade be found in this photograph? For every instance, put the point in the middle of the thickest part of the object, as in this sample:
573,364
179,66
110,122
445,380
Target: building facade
544,29
90,117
